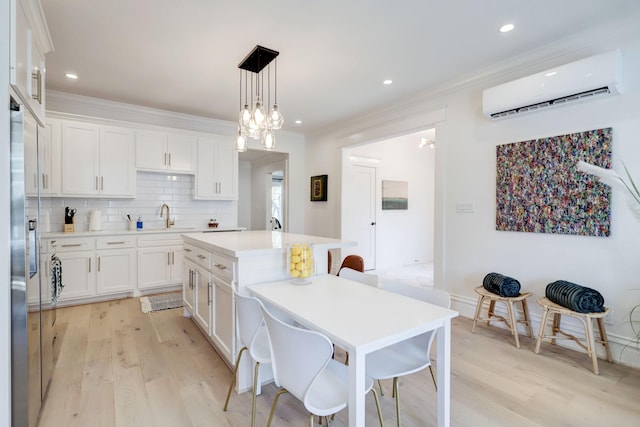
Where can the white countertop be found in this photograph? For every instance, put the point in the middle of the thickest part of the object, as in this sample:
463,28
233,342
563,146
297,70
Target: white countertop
238,244
121,232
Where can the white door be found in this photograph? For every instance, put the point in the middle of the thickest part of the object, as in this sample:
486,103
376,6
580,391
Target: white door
362,224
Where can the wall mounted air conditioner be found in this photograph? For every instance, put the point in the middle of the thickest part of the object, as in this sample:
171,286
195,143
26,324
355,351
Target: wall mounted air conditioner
589,78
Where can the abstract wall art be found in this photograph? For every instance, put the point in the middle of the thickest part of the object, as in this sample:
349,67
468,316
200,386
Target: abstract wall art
395,195
539,189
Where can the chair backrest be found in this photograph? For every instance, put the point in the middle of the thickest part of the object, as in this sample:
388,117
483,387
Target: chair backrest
355,262
430,295
367,279
249,316
297,355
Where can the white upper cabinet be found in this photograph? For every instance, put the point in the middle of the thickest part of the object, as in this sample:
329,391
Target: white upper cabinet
42,157
217,169
97,160
159,151
30,41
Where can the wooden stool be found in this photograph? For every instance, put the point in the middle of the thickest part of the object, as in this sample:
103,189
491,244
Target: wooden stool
512,323
550,307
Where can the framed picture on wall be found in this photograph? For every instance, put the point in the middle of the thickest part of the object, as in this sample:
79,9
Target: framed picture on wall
319,188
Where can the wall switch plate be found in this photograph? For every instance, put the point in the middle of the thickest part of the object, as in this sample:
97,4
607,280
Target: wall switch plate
465,207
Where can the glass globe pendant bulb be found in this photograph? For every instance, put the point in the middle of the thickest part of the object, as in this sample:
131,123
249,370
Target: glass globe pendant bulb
259,115
276,118
269,140
241,142
245,116
253,130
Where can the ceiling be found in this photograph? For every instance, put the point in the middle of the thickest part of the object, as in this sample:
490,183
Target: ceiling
182,56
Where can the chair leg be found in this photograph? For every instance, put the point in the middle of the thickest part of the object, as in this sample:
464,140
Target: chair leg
604,339
380,387
255,387
375,396
513,325
433,377
395,392
275,403
346,360
233,379
527,320
543,324
591,348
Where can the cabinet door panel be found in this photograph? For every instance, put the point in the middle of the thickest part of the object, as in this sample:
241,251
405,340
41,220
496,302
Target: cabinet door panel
151,150
78,275
117,170
205,181
153,267
181,153
31,175
188,285
226,166
116,270
203,300
177,259
223,322
80,156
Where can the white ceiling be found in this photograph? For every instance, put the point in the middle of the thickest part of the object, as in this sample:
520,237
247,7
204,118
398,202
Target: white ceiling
334,54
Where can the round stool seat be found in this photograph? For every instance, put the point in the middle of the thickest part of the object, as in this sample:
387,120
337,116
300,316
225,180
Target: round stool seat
512,322
589,344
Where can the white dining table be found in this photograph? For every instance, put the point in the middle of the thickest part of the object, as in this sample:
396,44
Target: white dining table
361,319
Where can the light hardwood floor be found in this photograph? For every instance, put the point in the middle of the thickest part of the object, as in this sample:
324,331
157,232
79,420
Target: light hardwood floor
116,366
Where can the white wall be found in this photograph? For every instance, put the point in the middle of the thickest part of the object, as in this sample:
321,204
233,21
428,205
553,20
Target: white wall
465,171
400,159
261,179
5,235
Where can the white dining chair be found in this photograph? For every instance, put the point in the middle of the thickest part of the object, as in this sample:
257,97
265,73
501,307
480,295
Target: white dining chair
253,336
366,278
302,365
409,356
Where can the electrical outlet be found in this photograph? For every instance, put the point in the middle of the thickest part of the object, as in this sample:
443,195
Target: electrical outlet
608,319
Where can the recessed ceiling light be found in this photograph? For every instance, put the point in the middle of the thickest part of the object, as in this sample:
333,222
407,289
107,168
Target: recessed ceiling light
387,82
71,76
298,122
506,28
551,73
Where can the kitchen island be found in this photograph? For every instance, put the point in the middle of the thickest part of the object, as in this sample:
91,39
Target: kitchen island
213,262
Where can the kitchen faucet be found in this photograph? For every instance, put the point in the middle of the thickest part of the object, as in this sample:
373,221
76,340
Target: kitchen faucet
168,222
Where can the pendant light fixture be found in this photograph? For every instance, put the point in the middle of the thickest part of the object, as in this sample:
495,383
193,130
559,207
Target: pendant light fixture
254,121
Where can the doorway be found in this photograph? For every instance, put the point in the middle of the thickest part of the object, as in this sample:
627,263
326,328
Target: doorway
398,239
260,175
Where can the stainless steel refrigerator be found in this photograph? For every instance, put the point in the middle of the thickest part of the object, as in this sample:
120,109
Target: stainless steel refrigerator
30,326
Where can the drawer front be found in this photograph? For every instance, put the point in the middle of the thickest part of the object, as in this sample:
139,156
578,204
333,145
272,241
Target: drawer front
222,267
203,258
190,252
167,239
72,244
115,242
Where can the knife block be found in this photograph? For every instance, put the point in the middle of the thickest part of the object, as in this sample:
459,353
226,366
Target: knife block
69,228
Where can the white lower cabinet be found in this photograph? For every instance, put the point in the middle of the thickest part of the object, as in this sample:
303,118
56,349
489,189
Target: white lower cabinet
160,261
202,312
189,285
208,296
77,255
96,266
116,264
223,322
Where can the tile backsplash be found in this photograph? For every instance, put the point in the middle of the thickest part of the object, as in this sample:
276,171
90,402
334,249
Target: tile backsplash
153,189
